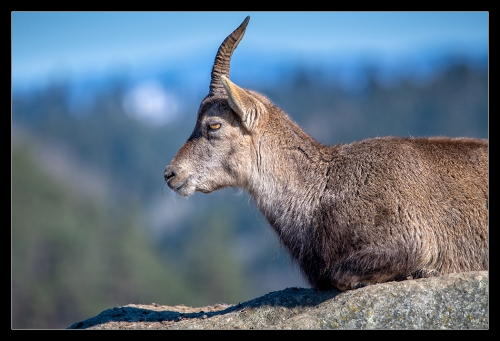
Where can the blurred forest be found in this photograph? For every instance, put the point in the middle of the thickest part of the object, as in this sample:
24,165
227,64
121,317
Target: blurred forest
94,226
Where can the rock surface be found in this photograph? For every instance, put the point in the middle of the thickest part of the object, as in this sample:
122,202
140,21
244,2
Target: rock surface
456,301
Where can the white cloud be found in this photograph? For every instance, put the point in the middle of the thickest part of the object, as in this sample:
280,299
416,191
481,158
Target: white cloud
149,102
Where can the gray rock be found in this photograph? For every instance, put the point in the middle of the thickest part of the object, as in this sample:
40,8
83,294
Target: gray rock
456,301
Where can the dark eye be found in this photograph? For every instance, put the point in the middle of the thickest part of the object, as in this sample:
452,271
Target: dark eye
214,126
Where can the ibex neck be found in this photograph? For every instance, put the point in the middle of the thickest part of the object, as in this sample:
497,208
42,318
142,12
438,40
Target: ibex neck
289,178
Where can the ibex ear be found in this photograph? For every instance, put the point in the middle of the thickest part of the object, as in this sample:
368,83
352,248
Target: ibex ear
244,104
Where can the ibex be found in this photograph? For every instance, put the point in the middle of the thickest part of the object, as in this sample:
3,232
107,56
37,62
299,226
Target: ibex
377,210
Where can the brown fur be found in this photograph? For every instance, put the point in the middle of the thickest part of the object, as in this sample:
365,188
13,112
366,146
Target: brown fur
372,211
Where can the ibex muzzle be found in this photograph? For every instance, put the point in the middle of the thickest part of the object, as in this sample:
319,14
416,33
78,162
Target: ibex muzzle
372,211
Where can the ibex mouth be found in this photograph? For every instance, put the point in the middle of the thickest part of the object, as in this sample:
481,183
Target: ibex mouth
177,188
172,179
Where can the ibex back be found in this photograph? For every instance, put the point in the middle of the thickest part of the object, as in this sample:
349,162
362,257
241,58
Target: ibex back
382,209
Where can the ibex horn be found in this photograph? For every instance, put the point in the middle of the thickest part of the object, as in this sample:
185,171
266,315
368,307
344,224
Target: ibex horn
223,58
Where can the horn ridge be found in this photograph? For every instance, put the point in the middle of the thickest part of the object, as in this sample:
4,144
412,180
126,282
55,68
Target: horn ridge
223,57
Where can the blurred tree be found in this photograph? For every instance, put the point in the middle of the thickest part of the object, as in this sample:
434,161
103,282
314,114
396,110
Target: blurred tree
452,102
209,258
72,257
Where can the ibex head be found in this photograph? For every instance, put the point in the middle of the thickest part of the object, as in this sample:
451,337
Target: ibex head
219,152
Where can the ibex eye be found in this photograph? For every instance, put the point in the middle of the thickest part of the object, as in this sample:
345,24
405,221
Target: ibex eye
214,126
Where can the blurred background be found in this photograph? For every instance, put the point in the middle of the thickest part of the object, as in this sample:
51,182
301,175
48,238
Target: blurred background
102,101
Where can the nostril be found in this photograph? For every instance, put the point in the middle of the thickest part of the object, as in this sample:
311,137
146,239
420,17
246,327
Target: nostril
169,173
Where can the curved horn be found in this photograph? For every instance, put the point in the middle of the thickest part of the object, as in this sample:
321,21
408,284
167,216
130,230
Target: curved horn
223,58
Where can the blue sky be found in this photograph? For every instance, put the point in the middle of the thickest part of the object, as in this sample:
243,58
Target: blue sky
43,43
